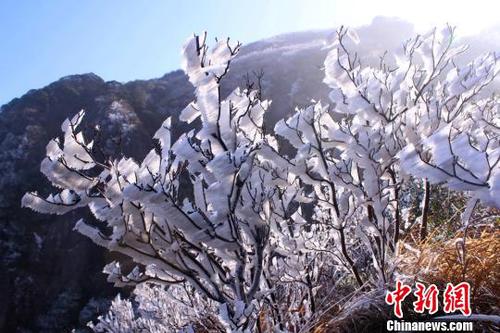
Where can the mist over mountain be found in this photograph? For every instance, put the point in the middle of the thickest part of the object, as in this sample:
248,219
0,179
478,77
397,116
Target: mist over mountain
48,272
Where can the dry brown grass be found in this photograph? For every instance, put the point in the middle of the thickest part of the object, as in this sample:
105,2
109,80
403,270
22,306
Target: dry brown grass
431,262
441,262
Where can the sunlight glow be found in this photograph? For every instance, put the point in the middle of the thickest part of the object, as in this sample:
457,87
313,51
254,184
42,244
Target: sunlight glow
470,17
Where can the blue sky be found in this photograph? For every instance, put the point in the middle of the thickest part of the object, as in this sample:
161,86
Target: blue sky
123,40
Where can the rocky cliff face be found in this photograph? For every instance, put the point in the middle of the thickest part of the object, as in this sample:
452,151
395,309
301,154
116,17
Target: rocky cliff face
48,272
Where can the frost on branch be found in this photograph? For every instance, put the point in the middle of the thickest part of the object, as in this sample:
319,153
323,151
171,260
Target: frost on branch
156,309
421,116
213,236
460,147
256,238
65,166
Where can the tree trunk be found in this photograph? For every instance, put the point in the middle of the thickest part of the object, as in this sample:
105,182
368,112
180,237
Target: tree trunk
397,210
425,210
348,258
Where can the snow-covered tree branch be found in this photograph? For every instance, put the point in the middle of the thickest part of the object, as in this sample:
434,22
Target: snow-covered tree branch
212,236
227,226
